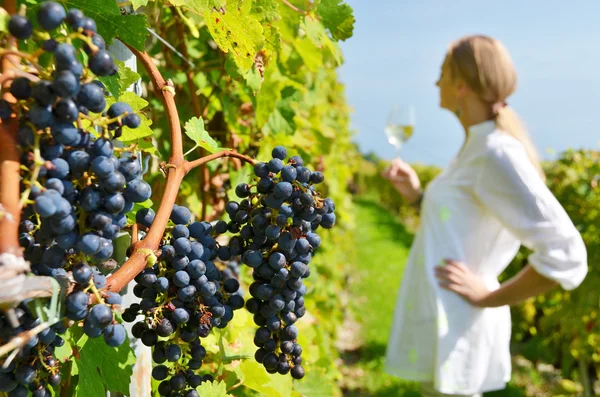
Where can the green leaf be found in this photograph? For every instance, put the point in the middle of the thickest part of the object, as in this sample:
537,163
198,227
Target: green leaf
200,5
146,145
237,32
121,243
312,56
212,389
194,128
118,83
103,367
136,208
338,17
130,29
4,17
267,9
64,352
138,3
256,378
137,104
267,98
253,79
278,124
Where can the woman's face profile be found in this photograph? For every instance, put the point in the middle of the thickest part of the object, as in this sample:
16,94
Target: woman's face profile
448,89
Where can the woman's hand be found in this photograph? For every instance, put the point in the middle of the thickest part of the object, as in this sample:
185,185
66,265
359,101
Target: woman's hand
457,277
405,179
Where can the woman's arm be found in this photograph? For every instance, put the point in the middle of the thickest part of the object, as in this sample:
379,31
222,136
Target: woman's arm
457,277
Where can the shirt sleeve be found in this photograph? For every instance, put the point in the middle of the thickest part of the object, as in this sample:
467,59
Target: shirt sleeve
509,186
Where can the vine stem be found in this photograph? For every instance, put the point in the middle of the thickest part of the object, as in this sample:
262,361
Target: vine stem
293,7
22,338
9,155
189,165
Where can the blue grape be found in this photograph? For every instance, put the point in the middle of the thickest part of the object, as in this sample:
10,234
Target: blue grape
20,27
137,191
101,64
51,15
100,316
21,88
279,152
114,335
65,84
180,215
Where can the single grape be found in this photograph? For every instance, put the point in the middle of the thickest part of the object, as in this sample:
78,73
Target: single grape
20,27
51,15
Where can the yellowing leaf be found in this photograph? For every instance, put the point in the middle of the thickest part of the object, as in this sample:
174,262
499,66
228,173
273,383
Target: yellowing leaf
212,389
257,378
236,32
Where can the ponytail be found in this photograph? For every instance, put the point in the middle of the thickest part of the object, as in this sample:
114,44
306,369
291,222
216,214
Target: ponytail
508,121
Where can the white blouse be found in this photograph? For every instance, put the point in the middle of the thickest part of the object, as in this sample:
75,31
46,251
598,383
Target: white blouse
479,211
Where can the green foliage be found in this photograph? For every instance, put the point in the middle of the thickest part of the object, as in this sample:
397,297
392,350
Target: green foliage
539,325
337,17
194,128
369,182
264,75
130,29
118,83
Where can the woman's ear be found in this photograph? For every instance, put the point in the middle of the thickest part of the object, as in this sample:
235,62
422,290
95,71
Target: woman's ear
461,90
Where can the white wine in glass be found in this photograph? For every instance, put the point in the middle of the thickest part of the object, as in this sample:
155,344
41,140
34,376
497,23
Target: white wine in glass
400,126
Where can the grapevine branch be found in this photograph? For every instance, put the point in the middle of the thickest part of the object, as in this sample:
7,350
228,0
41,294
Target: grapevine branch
178,168
10,211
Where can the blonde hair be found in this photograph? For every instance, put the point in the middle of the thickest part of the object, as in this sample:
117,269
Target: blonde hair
485,65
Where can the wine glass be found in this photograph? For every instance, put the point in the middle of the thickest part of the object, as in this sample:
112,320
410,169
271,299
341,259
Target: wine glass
400,125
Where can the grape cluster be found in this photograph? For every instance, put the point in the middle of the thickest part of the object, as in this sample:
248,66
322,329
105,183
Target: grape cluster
183,295
76,188
275,223
35,367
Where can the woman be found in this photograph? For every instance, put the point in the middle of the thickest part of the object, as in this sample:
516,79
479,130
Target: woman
451,329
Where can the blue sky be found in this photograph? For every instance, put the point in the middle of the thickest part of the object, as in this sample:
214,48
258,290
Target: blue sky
398,46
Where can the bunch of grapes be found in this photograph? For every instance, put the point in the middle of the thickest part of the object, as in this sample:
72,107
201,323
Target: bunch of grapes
76,189
34,367
276,219
183,296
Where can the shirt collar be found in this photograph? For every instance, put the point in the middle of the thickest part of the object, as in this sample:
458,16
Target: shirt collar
482,128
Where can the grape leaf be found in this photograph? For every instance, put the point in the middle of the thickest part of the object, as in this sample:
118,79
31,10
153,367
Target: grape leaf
194,128
338,17
316,384
130,29
146,145
4,17
212,389
118,83
253,79
200,5
267,98
101,366
137,104
138,3
256,378
237,32
267,9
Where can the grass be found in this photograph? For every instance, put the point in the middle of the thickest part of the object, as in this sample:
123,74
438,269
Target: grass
382,245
